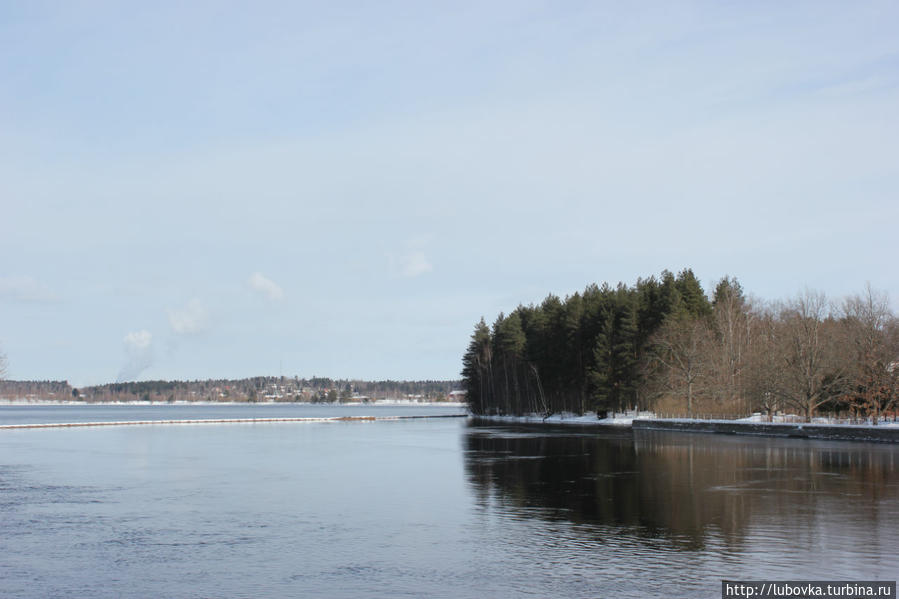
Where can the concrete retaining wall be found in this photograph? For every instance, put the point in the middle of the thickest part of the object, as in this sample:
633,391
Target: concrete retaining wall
806,431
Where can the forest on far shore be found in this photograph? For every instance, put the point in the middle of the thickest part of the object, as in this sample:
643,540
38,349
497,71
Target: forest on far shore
664,344
254,389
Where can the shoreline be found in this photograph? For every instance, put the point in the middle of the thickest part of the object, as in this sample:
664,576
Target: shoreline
882,433
566,418
888,433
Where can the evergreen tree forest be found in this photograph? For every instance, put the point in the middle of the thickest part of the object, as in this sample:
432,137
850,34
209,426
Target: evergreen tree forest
663,343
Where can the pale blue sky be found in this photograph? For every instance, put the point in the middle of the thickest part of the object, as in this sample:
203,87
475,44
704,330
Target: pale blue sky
212,189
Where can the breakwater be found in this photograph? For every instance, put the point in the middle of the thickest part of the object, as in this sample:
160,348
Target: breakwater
798,430
224,421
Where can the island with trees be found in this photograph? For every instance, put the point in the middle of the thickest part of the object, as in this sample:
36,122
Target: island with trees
662,344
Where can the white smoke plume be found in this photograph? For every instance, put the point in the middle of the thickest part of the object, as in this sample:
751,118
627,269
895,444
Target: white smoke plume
189,320
138,355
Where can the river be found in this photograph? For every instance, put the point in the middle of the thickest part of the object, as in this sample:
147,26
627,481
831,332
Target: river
426,508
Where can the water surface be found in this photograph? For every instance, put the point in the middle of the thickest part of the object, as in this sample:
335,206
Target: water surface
433,508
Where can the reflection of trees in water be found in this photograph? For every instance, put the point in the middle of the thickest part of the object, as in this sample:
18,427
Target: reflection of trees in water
678,486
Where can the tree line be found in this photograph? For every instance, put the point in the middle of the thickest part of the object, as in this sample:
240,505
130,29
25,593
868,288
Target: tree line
51,390
663,344
253,389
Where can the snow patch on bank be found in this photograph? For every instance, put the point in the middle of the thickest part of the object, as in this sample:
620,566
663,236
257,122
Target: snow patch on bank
816,421
626,419
588,419
786,421
412,402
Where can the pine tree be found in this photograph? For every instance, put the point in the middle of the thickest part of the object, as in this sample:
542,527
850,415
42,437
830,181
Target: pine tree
508,350
625,352
695,302
476,369
576,354
613,374
601,377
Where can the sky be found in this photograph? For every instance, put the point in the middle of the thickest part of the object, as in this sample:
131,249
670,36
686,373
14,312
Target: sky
194,190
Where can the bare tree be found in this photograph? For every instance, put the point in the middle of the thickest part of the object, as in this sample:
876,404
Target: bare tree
680,357
732,319
873,344
3,364
807,347
764,372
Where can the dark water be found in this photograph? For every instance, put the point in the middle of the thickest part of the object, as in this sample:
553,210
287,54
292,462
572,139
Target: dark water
433,508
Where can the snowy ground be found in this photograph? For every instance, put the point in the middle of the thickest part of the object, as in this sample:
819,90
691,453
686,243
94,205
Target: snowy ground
787,419
410,402
590,418
793,419
627,418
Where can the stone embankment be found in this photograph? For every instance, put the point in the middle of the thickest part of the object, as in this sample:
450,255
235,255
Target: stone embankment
881,434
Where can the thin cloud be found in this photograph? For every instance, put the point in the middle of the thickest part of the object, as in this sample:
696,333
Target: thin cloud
268,288
411,261
25,289
414,264
189,320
